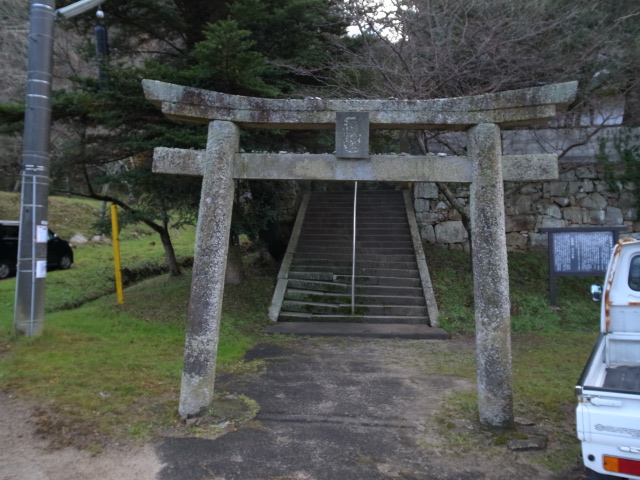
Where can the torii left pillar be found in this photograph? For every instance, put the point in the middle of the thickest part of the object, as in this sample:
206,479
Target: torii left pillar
209,265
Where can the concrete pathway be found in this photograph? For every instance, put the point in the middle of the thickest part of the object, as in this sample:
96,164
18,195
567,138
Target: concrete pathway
340,409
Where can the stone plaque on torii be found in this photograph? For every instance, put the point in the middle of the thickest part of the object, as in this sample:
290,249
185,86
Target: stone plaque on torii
485,168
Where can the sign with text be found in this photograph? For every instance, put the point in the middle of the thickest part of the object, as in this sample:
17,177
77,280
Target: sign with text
582,251
42,234
579,251
352,135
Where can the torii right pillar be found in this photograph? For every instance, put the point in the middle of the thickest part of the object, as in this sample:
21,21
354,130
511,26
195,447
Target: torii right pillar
490,277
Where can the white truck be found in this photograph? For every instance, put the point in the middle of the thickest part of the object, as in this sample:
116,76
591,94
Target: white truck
608,412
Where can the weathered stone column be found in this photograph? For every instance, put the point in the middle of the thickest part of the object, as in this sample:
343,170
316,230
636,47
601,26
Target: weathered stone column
490,277
209,265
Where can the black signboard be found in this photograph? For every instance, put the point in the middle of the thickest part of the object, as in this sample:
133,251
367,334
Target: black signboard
579,251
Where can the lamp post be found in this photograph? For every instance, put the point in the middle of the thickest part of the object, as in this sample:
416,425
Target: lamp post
32,246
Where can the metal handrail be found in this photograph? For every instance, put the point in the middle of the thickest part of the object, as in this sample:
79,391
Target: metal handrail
353,259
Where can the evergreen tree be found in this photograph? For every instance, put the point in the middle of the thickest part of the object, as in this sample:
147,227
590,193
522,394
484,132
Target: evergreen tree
239,47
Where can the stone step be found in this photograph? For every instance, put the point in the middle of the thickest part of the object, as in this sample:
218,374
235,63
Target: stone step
370,268
311,275
345,309
348,237
361,191
345,288
380,263
347,227
312,249
359,279
377,195
361,205
348,220
380,280
348,205
361,257
358,330
348,243
375,319
361,232
386,210
360,271
319,286
318,199
366,199
362,195
339,299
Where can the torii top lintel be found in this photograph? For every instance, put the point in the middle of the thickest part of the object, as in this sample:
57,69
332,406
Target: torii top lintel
507,109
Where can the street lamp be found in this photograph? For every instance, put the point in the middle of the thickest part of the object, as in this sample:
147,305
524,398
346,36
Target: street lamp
32,246
77,8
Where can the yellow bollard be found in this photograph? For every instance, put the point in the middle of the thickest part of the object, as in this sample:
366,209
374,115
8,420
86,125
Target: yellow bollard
116,252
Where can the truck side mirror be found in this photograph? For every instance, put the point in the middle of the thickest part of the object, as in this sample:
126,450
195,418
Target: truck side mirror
596,293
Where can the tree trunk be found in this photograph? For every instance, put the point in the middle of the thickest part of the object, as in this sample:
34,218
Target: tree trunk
162,230
465,216
234,275
457,205
169,253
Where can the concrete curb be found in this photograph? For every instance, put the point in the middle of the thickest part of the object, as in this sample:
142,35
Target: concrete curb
427,286
283,274
361,330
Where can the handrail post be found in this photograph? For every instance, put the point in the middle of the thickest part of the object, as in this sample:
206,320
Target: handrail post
353,258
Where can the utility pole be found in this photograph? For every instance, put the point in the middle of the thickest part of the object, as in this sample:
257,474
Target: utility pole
32,246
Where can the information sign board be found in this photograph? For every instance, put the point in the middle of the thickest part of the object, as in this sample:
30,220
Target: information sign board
579,251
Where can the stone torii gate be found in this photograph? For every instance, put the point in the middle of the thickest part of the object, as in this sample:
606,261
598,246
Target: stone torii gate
485,168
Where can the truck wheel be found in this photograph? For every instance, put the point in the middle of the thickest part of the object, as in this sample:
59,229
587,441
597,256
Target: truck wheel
64,262
601,476
5,269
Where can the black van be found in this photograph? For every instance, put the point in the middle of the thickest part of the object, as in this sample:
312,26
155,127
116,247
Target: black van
59,252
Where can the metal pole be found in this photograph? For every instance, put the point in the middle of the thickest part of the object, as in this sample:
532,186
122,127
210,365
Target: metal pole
353,259
115,237
32,246
102,48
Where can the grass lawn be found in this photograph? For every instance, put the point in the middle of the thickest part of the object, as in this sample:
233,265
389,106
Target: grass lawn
115,369
108,368
92,274
550,345
66,216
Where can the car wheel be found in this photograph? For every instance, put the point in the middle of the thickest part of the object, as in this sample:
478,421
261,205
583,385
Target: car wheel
601,476
5,269
64,262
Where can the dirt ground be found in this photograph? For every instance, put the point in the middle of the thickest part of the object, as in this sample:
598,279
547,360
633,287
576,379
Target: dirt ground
337,409
26,455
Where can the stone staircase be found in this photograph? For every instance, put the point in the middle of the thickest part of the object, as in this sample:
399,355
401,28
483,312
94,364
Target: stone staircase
388,286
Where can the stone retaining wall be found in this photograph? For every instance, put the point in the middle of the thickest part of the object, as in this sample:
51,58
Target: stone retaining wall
581,197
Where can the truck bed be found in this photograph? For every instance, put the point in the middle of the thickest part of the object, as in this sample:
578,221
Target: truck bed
614,365
623,378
